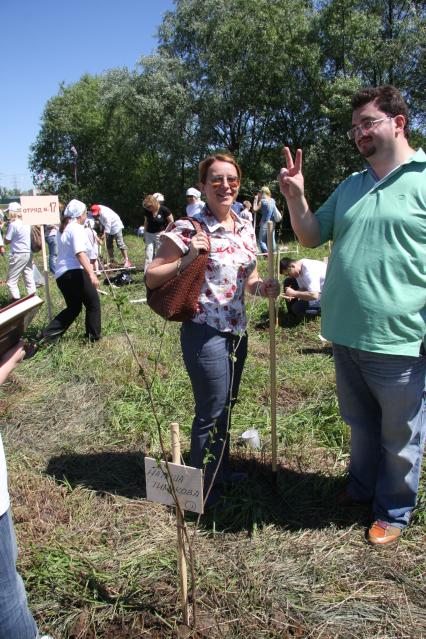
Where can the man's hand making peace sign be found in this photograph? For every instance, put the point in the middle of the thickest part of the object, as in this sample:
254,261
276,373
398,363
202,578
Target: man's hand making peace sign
292,186
291,178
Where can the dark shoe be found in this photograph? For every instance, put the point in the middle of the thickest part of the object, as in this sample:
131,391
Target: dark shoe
30,350
382,533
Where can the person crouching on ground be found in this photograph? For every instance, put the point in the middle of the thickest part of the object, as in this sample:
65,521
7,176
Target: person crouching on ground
303,286
214,342
18,235
75,277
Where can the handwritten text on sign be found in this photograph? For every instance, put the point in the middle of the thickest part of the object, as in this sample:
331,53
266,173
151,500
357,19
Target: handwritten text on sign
188,483
40,209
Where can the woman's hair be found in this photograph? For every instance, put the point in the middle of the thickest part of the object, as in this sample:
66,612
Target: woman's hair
150,200
204,166
14,215
247,204
266,190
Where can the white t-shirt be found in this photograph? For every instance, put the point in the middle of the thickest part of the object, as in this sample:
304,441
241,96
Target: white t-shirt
92,244
245,214
4,495
193,209
19,235
71,241
110,220
312,276
1,239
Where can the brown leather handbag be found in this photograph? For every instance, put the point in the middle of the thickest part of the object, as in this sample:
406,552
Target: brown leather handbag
177,299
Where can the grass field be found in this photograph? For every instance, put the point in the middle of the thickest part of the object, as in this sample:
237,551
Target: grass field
280,561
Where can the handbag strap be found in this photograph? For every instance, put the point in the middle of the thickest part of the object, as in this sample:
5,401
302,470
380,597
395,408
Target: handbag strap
196,224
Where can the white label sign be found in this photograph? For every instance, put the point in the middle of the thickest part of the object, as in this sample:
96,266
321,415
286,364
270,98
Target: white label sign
40,209
188,483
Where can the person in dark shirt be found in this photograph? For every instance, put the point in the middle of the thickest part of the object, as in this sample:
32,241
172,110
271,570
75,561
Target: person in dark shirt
157,218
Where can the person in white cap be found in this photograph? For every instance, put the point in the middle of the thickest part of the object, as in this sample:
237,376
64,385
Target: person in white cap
18,235
159,197
194,204
75,277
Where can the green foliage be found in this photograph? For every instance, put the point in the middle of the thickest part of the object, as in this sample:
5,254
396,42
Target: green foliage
242,75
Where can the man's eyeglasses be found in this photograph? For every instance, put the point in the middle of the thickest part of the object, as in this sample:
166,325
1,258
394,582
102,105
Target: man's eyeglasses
217,180
364,127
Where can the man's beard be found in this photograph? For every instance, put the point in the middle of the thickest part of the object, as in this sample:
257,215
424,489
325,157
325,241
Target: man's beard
367,150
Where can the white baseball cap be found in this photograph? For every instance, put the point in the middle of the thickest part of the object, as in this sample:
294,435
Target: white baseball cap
158,196
193,192
13,207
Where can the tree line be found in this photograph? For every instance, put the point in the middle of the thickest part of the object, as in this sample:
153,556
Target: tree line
247,76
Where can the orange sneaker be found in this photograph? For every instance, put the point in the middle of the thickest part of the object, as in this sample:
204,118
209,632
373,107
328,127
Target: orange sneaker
381,533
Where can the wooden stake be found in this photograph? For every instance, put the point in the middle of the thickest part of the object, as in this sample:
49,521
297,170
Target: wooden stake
277,271
174,430
272,356
46,274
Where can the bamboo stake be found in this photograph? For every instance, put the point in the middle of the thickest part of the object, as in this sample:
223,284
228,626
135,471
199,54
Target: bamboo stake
277,271
272,356
46,274
174,430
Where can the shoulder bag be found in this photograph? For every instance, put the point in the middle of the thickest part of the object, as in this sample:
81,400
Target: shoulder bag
277,215
177,299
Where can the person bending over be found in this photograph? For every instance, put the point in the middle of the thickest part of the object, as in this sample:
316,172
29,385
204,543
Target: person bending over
303,286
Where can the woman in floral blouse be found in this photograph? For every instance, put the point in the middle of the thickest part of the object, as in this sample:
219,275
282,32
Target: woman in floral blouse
214,342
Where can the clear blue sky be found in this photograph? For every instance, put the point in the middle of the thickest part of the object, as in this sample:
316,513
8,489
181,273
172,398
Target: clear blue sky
46,42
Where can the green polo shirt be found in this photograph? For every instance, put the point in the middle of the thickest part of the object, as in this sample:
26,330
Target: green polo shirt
374,297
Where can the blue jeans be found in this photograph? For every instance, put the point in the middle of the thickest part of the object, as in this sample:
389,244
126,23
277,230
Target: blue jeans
16,621
53,252
382,398
263,238
215,380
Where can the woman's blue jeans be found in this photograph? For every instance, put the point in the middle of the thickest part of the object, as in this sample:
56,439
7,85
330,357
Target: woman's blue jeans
382,398
263,238
53,252
214,361
16,621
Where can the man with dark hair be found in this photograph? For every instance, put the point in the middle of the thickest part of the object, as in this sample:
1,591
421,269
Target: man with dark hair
303,286
374,304
387,98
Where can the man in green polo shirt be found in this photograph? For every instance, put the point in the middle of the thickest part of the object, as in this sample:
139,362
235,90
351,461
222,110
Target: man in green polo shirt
374,304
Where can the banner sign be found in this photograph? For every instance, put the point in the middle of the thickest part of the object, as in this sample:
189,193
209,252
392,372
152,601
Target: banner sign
40,209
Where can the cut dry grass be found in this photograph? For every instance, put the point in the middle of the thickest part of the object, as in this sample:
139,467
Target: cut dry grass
279,561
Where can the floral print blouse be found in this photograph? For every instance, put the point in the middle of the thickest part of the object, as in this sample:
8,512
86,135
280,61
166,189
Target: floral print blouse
232,259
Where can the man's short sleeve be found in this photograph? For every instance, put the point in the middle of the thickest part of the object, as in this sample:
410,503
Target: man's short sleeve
325,216
312,279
